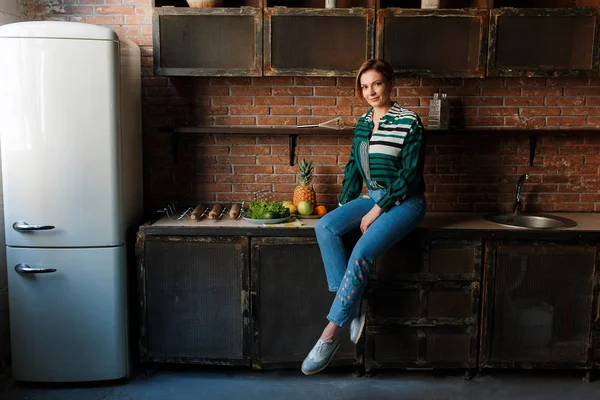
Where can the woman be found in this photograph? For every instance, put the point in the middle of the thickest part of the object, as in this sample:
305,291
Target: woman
388,154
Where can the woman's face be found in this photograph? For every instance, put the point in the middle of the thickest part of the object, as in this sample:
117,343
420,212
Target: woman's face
376,89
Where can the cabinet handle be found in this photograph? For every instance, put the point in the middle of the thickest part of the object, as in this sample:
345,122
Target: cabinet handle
26,269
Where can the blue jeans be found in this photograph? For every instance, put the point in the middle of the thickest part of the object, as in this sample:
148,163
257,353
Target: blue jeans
348,276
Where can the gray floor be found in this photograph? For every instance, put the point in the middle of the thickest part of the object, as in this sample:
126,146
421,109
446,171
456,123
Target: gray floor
210,383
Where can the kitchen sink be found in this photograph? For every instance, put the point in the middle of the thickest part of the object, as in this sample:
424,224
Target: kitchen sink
534,221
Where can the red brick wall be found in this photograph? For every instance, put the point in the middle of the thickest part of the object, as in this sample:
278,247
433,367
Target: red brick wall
463,173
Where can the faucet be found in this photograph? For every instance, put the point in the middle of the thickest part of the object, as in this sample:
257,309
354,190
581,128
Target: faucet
518,206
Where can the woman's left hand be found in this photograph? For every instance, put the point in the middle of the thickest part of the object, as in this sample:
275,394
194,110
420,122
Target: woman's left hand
370,217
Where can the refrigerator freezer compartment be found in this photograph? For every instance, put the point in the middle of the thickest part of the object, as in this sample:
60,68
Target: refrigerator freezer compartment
69,324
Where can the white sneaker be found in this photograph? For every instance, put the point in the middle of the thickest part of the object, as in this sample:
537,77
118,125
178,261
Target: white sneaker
320,355
358,322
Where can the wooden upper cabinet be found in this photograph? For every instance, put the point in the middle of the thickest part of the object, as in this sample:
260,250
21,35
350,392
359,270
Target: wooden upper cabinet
207,41
317,42
543,42
445,43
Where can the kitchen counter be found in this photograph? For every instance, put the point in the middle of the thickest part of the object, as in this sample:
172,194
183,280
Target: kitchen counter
443,224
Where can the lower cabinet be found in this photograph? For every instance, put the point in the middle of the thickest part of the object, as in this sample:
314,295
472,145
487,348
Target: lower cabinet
290,302
541,305
424,302
194,304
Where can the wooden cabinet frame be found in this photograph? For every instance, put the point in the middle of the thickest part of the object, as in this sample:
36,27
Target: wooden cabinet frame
472,13
270,13
540,71
248,12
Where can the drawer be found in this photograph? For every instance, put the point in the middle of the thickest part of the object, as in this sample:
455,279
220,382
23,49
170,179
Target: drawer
421,347
440,303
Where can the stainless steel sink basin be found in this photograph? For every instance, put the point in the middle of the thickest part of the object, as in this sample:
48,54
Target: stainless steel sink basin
534,221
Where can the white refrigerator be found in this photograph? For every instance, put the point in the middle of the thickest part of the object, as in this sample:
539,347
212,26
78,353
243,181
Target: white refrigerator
70,126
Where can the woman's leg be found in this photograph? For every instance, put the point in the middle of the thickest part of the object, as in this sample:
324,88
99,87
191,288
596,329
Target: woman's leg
329,231
383,233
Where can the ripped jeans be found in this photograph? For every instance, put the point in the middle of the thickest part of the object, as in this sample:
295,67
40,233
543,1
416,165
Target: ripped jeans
348,276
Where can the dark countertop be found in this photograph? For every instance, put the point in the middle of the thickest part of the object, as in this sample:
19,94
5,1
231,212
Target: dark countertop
439,224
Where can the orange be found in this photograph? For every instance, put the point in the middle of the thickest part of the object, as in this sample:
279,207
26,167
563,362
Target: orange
320,210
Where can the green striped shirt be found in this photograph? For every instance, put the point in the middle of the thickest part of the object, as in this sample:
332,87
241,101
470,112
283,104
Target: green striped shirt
392,159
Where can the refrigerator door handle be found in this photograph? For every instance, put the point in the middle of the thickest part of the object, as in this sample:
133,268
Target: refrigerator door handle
24,227
26,269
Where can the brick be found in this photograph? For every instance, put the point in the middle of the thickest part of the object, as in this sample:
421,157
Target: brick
100,20
292,91
234,120
276,178
213,187
437,82
500,91
414,92
523,101
315,101
273,81
235,139
593,121
242,149
582,91
481,82
273,160
231,101
276,120
117,10
251,187
539,111
253,169
234,178
590,198
249,110
273,101
286,169
592,160
314,81
408,101
567,82
525,82
591,101
317,140
566,121
154,81
137,20
235,197
250,91
332,111
565,101
479,101
272,139
284,188
329,150
334,91
484,121
580,111
346,82
349,101
214,169
290,110
574,207
230,81
496,111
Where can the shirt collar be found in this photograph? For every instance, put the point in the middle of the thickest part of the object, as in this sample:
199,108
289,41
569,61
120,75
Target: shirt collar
395,107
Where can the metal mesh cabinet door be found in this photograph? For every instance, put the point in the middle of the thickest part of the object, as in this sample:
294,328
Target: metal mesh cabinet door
194,299
290,302
559,42
447,43
540,305
207,42
317,42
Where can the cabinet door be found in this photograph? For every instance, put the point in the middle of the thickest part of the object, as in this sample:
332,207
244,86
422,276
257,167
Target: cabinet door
194,304
418,258
317,42
421,347
290,302
447,43
559,42
207,41
540,303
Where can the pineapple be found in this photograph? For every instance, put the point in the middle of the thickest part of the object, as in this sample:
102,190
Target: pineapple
305,191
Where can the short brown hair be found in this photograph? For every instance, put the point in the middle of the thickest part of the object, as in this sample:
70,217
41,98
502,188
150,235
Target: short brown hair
379,65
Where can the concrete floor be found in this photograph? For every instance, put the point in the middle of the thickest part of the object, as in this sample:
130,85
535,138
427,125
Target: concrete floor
183,383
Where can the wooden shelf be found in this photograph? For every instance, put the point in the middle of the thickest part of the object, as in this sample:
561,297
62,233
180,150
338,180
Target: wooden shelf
292,132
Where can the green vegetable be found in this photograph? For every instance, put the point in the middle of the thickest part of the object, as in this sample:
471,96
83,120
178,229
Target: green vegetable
268,215
257,210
